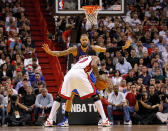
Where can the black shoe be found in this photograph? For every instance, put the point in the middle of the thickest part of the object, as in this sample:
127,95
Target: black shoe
23,123
15,124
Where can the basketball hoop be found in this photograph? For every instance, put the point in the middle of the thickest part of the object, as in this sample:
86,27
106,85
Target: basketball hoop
91,12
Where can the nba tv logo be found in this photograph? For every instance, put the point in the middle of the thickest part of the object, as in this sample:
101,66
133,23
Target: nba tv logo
61,5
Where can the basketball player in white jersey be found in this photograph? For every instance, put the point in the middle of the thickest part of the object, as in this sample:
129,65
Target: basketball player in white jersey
78,78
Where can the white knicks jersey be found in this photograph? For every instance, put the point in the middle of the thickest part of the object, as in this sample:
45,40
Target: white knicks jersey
83,63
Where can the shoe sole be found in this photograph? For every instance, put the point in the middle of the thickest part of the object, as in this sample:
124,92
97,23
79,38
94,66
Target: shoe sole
106,125
47,125
64,125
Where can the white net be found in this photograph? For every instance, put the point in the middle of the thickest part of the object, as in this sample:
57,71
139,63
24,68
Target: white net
91,14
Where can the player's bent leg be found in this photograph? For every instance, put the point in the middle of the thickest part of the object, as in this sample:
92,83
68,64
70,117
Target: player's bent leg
98,104
56,105
68,107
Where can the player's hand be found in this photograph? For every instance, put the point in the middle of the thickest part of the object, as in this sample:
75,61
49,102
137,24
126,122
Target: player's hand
103,78
46,48
127,45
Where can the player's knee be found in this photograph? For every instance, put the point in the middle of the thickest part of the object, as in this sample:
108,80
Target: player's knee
58,98
96,98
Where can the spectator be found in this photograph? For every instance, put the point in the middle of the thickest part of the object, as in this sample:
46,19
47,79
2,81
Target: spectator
117,101
37,80
22,90
103,69
154,98
145,77
16,112
108,90
135,21
158,87
165,54
156,52
5,72
143,89
109,65
158,76
9,82
159,60
131,76
155,66
18,76
140,81
130,98
146,58
29,100
116,78
132,59
166,69
15,45
7,86
7,96
151,48
128,89
123,86
162,45
141,49
2,109
123,66
162,115
143,110
8,62
152,81
116,58
140,52
43,102
156,38
20,83
141,62
28,61
166,81
30,45
38,89
36,69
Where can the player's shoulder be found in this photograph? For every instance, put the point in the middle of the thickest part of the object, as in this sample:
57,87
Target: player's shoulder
74,48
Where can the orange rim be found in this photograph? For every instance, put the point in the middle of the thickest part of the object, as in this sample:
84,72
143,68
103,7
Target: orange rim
89,9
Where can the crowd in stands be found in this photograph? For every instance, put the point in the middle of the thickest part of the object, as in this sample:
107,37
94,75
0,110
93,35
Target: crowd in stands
138,74
22,85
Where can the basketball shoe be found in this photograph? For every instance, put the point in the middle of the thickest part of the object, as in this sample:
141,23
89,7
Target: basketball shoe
64,122
105,123
48,123
99,122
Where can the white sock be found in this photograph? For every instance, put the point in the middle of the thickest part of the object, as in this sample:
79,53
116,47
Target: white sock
100,109
54,109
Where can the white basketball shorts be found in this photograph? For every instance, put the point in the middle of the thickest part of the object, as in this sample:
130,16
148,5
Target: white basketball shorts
77,79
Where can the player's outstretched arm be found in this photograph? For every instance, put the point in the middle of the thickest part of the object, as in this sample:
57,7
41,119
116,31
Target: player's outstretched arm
111,49
59,53
127,45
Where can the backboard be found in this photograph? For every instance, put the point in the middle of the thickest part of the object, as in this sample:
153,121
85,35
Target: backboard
74,7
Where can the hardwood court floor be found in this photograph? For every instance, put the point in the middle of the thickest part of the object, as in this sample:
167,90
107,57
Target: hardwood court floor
90,128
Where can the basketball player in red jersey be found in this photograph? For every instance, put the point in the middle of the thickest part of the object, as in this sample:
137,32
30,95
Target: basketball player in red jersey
78,52
77,78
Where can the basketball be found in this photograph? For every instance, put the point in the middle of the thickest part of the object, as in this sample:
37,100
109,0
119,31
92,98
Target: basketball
102,84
